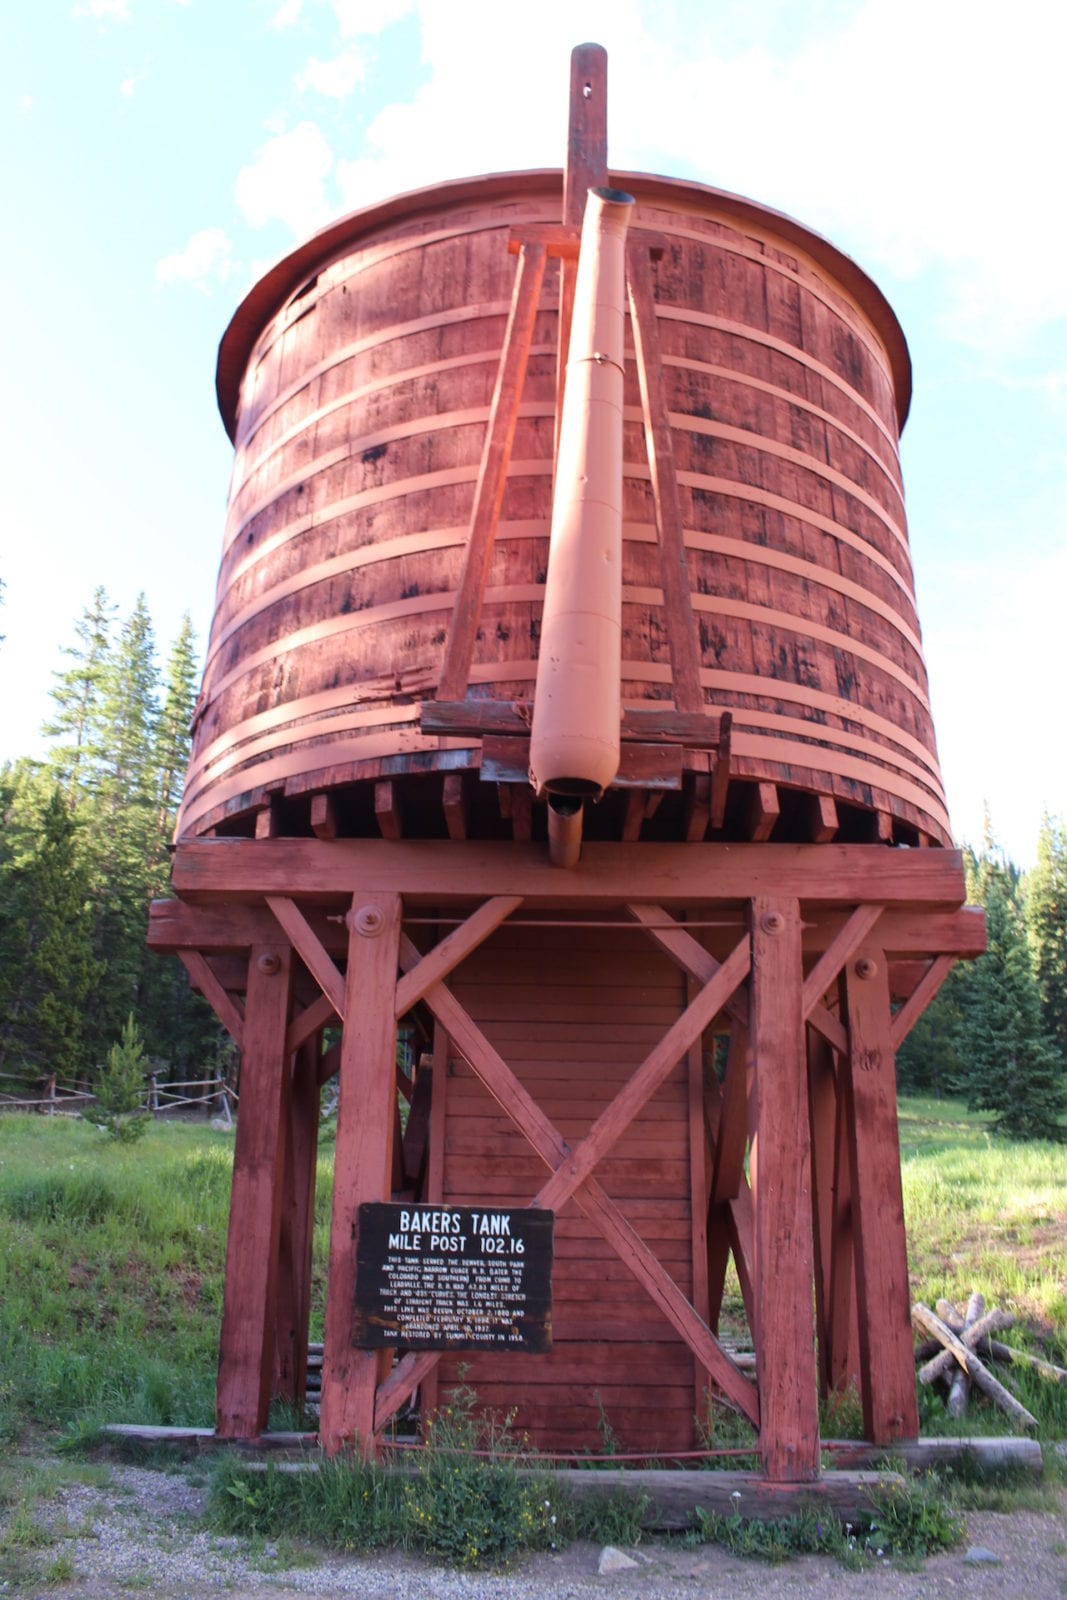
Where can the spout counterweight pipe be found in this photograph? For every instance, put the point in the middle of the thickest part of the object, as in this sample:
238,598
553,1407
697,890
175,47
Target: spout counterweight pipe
574,744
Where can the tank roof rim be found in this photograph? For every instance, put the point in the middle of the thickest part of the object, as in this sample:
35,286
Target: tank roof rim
269,292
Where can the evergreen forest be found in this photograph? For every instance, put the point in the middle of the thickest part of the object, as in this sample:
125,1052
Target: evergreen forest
84,849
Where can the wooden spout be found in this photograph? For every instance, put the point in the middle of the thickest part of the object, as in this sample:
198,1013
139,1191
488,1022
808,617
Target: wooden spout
574,745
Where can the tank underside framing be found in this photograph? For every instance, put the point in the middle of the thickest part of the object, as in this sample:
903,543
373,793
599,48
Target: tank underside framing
814,961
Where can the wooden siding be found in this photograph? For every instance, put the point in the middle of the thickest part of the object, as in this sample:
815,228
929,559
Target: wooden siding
574,1015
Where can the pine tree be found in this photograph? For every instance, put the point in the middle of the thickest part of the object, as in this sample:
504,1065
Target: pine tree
928,1061
123,802
1008,1066
77,694
1046,928
173,738
47,963
119,1105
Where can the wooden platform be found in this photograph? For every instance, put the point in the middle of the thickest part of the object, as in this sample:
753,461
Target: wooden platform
685,1052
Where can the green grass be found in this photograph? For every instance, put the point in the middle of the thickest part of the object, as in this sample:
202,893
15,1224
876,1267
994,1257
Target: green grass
111,1275
989,1214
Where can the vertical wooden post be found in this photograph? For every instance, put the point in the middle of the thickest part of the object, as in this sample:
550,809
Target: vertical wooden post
363,1160
587,168
890,1410
835,1290
297,1226
698,1197
785,1351
246,1354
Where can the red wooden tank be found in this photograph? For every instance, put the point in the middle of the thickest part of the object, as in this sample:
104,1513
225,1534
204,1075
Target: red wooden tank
683,1050
356,380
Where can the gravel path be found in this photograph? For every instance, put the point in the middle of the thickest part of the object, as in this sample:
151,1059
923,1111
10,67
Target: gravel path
141,1532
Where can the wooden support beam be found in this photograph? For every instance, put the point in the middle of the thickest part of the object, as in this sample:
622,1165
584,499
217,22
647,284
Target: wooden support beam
293,1299
832,1028
699,1180
690,955
417,1132
683,638
920,998
671,874
642,766
445,957
720,774
761,811
640,724
697,807
222,1003
559,240
387,809
833,958
639,1089
586,168
323,816
820,821
455,804
246,1353
330,1063
877,827
306,943
831,1223
789,1406
521,812
318,1015
889,1406
363,1161
908,934
268,819
633,815
728,1166
492,473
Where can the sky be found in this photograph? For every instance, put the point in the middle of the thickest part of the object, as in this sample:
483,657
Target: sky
161,154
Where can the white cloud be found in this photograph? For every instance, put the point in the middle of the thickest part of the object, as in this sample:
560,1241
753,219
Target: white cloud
128,86
287,14
206,258
103,10
363,17
336,78
916,136
26,103
287,181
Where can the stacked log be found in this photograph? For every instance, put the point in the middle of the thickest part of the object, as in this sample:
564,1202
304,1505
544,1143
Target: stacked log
958,1348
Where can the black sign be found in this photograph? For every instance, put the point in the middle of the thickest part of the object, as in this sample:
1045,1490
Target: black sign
453,1278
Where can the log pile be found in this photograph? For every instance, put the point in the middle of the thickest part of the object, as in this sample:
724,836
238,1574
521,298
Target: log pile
956,1351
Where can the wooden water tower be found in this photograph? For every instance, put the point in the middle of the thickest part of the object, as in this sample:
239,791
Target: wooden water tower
645,966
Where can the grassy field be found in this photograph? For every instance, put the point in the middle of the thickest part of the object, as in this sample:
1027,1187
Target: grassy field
111,1260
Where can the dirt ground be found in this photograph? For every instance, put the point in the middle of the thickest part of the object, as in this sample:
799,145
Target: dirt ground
141,1531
